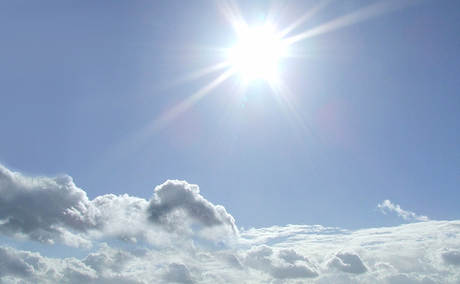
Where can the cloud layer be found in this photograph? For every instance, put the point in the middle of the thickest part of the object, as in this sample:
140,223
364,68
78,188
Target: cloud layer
180,237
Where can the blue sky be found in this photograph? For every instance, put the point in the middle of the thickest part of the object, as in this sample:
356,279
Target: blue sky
367,112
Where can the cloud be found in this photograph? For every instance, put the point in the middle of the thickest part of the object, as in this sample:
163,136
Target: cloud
44,209
107,262
375,255
50,210
347,262
451,256
163,233
178,273
177,204
13,266
407,215
33,268
403,254
286,264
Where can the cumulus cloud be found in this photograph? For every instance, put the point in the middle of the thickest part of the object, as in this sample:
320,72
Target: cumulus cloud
406,215
51,210
403,254
451,256
11,265
33,268
177,204
415,252
286,264
44,209
347,262
178,273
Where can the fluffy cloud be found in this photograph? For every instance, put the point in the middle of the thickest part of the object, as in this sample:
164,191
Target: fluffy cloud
54,209
406,215
14,266
451,256
176,204
178,273
347,262
162,242
44,209
286,264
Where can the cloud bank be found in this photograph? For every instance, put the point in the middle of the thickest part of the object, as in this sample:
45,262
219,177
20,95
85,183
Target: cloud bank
178,236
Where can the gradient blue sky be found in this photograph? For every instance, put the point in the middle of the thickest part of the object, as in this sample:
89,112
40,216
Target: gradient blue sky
123,161
377,107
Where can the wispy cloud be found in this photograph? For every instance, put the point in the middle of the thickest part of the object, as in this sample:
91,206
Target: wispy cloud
406,215
163,233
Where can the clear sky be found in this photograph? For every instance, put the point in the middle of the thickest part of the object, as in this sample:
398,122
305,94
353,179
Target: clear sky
362,118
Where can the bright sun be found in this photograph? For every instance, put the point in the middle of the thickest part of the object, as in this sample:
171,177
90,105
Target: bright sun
257,53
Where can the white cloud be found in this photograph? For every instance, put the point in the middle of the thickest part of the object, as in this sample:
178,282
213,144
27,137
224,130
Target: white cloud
177,204
54,210
285,264
347,262
178,273
409,253
406,215
14,266
44,209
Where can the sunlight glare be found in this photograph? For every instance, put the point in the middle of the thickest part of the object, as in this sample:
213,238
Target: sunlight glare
256,56
257,53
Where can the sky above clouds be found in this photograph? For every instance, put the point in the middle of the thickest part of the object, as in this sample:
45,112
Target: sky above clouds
130,152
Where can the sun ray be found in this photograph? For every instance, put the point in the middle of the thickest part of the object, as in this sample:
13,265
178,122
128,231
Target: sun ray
238,95
197,74
308,15
170,115
232,12
366,13
284,98
142,136
274,11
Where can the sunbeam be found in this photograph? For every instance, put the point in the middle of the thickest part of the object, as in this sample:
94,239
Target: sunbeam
230,141
308,15
159,123
256,57
232,12
285,97
366,13
170,115
197,74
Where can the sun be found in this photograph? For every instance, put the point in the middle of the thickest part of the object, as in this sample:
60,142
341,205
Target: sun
257,53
